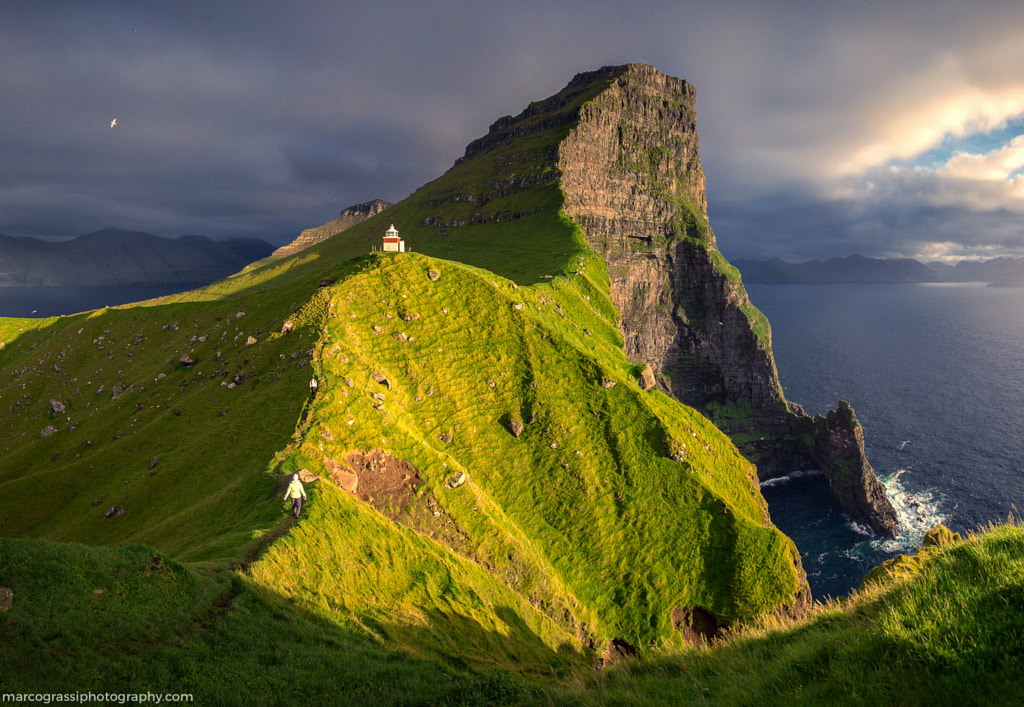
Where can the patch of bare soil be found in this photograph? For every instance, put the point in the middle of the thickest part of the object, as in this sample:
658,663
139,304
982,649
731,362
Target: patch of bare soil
385,482
391,486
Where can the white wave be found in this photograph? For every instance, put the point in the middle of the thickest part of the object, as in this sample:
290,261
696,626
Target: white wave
779,480
903,444
918,512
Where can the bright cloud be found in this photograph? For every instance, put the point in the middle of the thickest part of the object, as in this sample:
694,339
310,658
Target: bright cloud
997,165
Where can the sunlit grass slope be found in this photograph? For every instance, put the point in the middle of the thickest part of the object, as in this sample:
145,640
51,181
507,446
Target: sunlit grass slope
949,633
584,514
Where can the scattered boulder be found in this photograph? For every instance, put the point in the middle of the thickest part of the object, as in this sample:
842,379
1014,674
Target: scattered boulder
519,306
341,476
186,361
307,477
57,407
646,378
118,390
515,427
377,330
6,599
698,625
433,274
349,382
447,437
47,431
400,336
616,649
113,512
239,315
607,383
379,377
455,480
153,462
287,327
250,341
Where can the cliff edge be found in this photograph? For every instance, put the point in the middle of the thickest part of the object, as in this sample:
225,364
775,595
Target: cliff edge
632,179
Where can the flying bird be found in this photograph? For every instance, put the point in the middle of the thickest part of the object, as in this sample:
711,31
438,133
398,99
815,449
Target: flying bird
113,122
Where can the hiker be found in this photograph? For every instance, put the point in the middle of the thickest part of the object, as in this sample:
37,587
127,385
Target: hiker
296,493
313,385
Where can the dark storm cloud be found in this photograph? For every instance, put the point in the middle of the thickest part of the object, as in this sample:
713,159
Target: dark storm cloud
264,118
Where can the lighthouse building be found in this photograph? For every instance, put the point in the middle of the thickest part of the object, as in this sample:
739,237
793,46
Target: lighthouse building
392,243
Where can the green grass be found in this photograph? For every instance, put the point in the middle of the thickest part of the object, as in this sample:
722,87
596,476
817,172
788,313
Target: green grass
950,634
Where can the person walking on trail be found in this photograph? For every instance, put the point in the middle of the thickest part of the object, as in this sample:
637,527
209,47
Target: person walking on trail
296,493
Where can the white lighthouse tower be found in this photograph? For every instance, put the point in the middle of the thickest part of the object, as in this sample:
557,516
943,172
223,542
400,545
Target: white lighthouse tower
392,243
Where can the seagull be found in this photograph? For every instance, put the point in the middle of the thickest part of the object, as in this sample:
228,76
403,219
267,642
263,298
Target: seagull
113,122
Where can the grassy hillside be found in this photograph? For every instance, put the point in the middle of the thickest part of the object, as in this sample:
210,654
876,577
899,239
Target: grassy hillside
950,632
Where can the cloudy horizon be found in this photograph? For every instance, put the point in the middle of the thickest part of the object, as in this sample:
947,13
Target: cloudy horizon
885,129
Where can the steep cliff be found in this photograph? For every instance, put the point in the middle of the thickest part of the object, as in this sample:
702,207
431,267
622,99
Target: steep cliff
632,178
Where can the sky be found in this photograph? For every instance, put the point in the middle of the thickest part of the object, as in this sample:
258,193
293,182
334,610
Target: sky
889,129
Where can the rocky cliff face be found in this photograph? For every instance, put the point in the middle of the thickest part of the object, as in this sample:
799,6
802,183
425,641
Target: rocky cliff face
632,178
348,218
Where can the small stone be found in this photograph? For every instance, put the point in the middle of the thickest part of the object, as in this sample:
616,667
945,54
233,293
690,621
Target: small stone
516,428
186,361
6,599
400,336
377,330
519,306
433,274
447,437
98,592
607,383
250,341
456,480
153,462
287,326
57,407
47,431
239,315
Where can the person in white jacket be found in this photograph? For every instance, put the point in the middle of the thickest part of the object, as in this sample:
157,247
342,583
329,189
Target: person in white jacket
296,493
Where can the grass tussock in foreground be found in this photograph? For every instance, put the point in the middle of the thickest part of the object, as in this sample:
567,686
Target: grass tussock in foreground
949,633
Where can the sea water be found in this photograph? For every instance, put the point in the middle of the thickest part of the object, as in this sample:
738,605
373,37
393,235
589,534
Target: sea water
935,374
37,302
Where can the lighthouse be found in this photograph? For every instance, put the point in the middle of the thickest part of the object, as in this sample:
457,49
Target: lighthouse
392,243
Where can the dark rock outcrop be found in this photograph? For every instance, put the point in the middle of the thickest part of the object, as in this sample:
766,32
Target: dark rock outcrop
698,625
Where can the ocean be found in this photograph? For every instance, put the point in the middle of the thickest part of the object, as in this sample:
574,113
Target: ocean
935,374
37,302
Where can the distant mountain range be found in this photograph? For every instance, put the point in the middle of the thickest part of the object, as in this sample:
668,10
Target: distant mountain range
116,257
998,272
